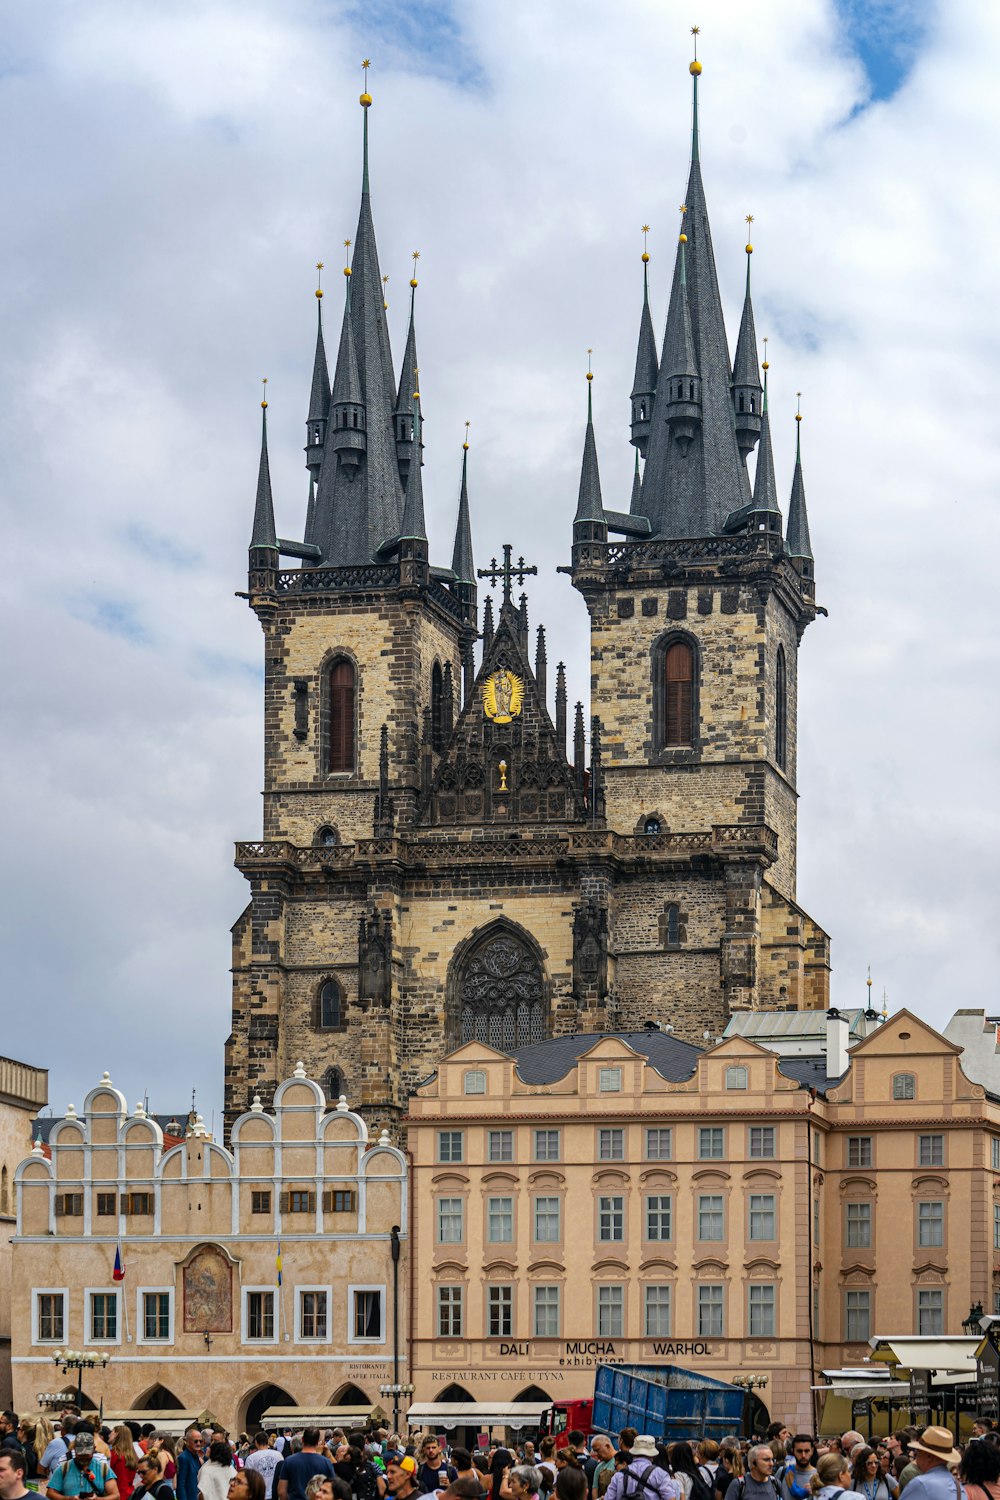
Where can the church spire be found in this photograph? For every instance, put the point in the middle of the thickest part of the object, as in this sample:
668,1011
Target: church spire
589,523
462,564
690,485
646,363
403,415
682,390
359,501
347,405
765,512
414,527
264,536
797,539
636,504
319,391
746,381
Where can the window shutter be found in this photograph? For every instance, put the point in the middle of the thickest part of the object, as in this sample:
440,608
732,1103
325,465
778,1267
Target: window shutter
312,1203
328,1202
678,695
283,1203
60,1203
342,716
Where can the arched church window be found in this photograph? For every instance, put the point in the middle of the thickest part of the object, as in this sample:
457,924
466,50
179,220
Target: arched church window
329,1006
333,1084
501,993
437,706
678,697
327,837
780,709
342,684
673,925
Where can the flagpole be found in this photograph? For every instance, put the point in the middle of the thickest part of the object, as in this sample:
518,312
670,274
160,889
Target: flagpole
121,1264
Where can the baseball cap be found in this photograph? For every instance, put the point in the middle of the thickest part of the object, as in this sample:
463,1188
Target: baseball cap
407,1464
84,1442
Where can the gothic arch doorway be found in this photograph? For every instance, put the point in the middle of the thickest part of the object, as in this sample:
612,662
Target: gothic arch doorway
256,1402
349,1395
158,1398
498,989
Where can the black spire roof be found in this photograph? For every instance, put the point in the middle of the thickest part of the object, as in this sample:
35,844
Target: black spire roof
264,533
358,507
589,505
765,490
319,392
797,536
462,564
690,494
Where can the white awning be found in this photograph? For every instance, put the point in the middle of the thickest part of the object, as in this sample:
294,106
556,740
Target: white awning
322,1416
480,1414
944,1356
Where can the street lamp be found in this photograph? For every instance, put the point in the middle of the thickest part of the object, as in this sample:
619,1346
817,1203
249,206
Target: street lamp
79,1360
749,1383
395,1390
971,1323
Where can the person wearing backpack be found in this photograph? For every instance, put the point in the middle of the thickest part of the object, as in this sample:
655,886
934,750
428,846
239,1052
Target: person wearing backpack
832,1479
687,1473
758,1483
644,1477
796,1481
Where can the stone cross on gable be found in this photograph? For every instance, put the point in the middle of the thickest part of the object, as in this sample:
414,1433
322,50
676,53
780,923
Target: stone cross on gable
507,571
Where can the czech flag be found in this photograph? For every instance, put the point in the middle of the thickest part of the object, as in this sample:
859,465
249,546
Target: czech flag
277,1263
118,1274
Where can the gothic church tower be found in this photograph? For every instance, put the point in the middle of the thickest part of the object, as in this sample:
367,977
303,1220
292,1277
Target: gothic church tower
444,856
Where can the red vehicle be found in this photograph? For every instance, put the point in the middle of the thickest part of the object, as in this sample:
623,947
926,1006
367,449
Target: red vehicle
567,1416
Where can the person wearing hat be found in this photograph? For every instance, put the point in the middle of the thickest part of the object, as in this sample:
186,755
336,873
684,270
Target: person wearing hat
84,1473
643,1478
401,1477
932,1452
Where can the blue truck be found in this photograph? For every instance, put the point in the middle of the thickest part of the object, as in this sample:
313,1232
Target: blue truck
669,1402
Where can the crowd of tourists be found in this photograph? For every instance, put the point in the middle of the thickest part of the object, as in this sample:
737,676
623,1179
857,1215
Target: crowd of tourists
77,1456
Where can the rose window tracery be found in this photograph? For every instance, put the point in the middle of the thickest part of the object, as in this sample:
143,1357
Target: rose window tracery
502,995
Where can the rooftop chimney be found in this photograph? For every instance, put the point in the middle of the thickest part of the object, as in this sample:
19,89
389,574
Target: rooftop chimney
837,1031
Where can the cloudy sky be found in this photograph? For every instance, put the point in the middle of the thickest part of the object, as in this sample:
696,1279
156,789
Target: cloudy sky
173,173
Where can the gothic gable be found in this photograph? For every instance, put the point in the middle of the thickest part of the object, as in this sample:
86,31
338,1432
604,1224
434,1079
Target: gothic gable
505,766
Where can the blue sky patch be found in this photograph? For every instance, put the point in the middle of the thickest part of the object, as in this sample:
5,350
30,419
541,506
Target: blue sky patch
117,617
159,548
886,36
423,35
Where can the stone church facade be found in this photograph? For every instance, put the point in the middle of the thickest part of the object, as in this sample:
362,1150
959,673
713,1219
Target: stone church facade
445,856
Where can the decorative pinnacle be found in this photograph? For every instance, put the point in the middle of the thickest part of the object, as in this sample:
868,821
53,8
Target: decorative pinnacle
465,445
413,278
366,98
385,304
798,406
416,393
765,365
748,221
347,257
645,251
319,278
264,402
695,66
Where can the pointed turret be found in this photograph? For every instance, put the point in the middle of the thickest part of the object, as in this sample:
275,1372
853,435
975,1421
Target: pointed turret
589,524
264,537
414,527
765,513
646,365
635,505
347,407
319,396
682,390
462,564
402,417
359,503
746,382
690,493
797,539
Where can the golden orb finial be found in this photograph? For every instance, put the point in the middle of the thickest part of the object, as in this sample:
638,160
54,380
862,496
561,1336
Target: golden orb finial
319,278
366,98
682,239
645,247
347,257
695,67
413,278
263,404
765,365
748,220
465,445
590,373
798,406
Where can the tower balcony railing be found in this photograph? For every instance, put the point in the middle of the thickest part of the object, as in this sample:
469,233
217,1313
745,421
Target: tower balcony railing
694,549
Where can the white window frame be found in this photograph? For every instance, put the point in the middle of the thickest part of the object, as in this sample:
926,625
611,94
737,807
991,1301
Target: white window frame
762,1309
613,1136
546,1131
88,1314
613,1305
49,1291
609,1080
548,1239
298,1335
660,1131
451,1135
452,1304
935,1313
766,1133
760,1208
500,1136
474,1081
555,1305
276,1331
503,1304
657,1287
367,1286
140,1314
737,1076
501,1215
439,1238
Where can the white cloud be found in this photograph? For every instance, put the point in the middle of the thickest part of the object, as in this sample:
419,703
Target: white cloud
178,173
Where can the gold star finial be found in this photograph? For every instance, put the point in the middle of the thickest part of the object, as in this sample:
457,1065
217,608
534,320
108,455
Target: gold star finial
748,219
366,63
366,98
798,406
645,246
347,257
263,404
319,278
465,445
416,257
765,366
695,66
590,373
683,208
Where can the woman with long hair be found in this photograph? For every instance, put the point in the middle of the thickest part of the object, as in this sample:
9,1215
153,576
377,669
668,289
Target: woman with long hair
124,1460
217,1472
832,1479
866,1475
979,1470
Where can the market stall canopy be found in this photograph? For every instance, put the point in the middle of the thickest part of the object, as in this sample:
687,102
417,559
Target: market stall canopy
945,1357
174,1421
322,1416
479,1414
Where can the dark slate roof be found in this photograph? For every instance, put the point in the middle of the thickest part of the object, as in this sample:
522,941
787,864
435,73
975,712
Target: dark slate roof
635,506
765,490
809,1072
414,525
646,362
797,538
356,512
589,505
346,375
679,357
462,564
547,1062
408,372
319,391
745,367
264,534
690,495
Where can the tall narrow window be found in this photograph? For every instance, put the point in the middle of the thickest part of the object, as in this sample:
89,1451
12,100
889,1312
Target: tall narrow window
780,710
678,695
437,706
341,716
329,1006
